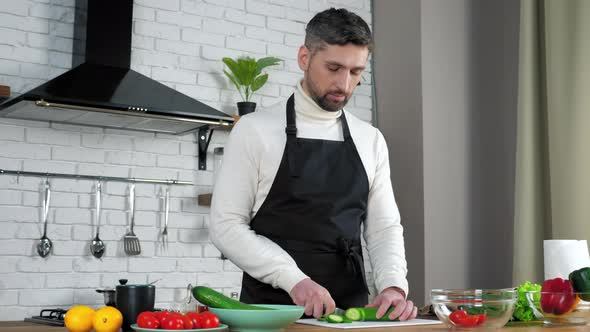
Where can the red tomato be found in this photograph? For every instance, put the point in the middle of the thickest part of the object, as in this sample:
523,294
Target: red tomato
208,313
462,319
188,322
481,318
209,320
196,318
173,322
161,314
457,316
168,316
147,313
469,321
148,320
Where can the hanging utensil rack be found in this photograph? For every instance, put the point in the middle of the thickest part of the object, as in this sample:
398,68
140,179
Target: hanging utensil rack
94,177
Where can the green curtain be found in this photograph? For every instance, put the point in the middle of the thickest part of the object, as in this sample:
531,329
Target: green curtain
552,188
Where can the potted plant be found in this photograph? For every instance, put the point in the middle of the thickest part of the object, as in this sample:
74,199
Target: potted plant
246,75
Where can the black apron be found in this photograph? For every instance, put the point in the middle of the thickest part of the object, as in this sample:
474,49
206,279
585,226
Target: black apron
314,211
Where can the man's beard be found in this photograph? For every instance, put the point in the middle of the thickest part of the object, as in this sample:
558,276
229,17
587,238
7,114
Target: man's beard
322,100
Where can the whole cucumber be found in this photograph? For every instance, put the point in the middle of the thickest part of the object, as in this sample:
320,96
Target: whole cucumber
215,299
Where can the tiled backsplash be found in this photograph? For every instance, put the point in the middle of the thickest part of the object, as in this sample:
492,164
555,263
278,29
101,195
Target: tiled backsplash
180,43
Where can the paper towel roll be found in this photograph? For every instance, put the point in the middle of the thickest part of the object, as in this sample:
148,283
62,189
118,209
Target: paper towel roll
564,256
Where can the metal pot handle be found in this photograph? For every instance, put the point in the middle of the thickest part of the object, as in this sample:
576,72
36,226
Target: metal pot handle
189,294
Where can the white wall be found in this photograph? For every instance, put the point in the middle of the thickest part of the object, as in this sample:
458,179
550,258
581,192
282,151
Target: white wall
180,43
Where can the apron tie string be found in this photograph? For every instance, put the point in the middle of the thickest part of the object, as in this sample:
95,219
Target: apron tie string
292,146
352,250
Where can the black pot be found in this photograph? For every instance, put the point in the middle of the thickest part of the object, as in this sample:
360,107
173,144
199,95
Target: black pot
110,296
245,107
132,300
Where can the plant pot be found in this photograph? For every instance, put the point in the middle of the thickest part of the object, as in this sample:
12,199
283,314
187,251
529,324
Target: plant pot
245,107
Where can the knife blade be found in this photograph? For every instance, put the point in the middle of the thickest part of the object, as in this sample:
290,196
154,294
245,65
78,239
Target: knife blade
339,311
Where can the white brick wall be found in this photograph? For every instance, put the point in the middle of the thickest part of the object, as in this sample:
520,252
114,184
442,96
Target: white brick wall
178,42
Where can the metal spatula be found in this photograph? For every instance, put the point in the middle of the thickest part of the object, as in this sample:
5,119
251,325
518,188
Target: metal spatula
130,240
164,234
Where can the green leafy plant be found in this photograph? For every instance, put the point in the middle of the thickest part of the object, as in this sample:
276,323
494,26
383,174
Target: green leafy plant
246,73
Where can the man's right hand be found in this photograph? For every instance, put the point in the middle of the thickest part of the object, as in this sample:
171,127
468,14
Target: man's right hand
314,297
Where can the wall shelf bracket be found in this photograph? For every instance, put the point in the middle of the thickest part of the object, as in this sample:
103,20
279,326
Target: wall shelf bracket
203,141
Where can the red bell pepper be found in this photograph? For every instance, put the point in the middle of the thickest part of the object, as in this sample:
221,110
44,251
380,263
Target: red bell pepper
557,296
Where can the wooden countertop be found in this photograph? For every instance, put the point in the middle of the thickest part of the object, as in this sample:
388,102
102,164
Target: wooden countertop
31,327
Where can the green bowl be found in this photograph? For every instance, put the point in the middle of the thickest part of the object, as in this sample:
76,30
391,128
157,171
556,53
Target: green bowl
240,320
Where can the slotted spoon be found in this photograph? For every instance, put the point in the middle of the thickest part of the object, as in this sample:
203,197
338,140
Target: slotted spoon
44,246
97,247
130,240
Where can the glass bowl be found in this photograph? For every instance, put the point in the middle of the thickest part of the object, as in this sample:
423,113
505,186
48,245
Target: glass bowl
473,308
555,308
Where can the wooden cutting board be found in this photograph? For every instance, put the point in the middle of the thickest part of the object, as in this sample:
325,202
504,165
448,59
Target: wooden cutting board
361,325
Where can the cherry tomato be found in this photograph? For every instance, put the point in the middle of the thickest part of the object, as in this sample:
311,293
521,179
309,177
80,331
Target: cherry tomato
147,313
173,322
469,321
148,320
462,319
167,317
188,322
161,314
481,318
196,318
209,320
457,316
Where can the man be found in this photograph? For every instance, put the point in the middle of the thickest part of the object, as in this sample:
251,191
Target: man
298,180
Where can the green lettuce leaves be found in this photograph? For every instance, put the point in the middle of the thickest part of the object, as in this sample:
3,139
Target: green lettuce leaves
522,310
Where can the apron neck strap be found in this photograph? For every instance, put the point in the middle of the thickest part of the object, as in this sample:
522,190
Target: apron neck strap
345,130
291,128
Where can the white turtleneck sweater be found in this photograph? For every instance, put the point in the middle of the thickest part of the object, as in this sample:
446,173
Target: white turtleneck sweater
252,157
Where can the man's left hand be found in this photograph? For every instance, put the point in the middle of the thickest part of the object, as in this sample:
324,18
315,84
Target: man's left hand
395,297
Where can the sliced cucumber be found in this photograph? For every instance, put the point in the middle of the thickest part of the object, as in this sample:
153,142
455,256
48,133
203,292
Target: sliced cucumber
354,314
366,314
334,318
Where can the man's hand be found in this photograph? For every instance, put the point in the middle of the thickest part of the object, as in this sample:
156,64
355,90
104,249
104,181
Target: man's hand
394,296
314,297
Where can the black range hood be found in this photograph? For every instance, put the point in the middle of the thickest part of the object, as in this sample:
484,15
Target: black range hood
103,91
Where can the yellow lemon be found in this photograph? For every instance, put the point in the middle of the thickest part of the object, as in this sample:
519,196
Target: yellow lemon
79,318
107,319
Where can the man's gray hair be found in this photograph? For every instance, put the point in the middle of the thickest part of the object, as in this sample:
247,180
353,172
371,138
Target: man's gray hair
337,27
